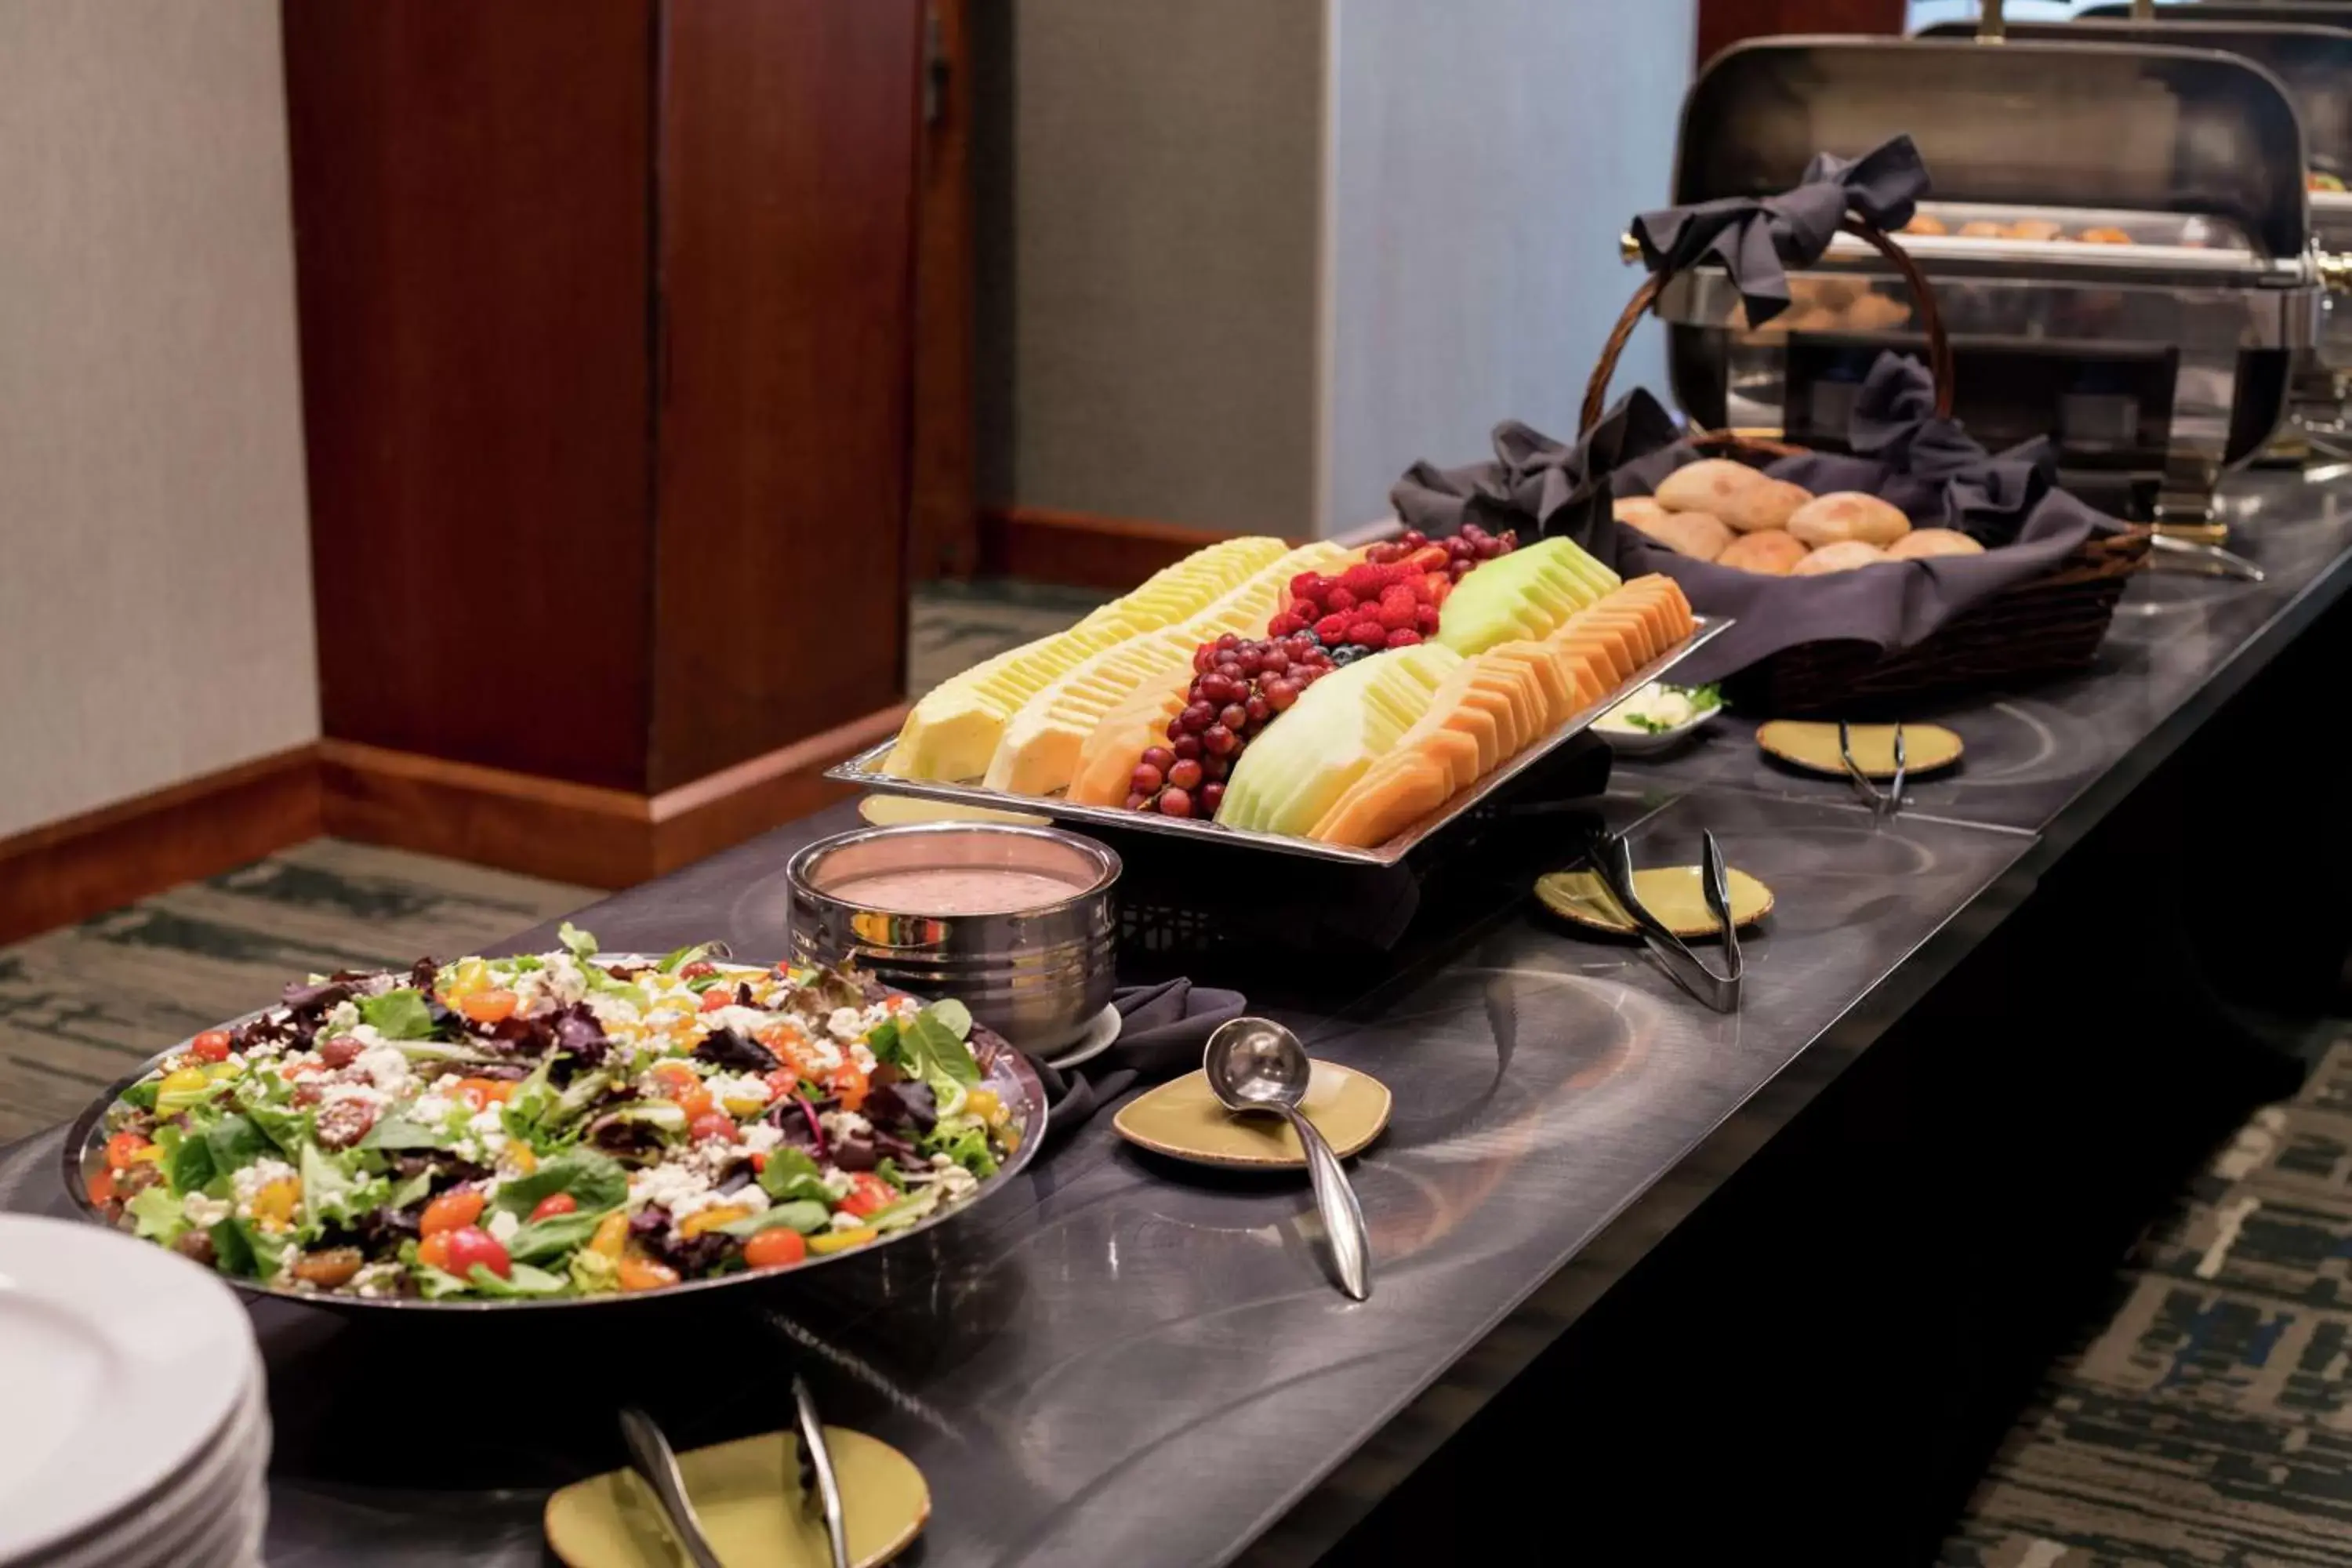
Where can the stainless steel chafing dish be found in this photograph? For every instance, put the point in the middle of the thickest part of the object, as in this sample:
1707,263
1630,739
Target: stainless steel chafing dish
2309,48
2157,359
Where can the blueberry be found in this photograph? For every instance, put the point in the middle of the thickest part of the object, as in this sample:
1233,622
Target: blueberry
1346,653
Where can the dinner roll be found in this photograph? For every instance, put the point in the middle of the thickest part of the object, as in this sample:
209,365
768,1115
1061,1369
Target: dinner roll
1770,551
1632,509
1841,557
1847,514
1705,485
1692,533
1922,542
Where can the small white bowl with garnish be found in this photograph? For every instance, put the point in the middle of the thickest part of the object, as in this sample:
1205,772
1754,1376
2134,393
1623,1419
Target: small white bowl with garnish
1658,718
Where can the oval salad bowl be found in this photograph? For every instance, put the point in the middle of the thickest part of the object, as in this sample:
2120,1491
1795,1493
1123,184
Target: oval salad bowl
557,1130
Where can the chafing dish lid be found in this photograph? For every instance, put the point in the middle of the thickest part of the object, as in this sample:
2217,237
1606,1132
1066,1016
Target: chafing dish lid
2314,62
2142,127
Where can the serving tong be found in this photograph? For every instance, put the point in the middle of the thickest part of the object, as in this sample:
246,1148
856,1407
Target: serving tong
1883,804
652,1457
1611,860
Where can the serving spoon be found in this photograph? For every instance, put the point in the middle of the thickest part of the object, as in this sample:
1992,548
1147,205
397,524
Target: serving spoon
1254,1065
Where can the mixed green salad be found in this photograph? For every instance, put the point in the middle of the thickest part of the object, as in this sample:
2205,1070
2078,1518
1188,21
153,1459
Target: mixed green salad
554,1124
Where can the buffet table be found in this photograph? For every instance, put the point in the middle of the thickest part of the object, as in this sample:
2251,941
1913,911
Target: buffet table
1125,1361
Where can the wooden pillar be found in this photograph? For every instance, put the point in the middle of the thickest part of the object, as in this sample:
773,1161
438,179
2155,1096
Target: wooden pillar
1722,23
607,341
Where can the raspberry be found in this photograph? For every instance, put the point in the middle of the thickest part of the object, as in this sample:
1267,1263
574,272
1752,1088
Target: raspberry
1308,611
1418,585
1403,638
1398,618
1339,602
1370,633
1425,619
1284,625
1364,580
1306,584
1399,592
1332,629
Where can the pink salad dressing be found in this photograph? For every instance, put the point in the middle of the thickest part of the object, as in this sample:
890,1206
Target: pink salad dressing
954,891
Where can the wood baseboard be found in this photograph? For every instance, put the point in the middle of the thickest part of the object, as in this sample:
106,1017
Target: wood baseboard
578,833
69,870
66,871
1081,548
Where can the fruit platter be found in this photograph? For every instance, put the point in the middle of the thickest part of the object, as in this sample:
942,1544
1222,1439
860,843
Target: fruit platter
1336,702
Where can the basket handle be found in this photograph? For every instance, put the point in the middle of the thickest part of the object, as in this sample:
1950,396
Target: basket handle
1923,301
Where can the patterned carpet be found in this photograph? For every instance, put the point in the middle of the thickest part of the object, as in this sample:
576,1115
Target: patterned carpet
2208,1422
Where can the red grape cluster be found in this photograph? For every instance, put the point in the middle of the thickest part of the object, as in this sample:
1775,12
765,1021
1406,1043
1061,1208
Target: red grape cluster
1463,549
1237,688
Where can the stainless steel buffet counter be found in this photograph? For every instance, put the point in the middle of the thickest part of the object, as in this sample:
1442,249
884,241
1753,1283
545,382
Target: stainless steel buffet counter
1122,1361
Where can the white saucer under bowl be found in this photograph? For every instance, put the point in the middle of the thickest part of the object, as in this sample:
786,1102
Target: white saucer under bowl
1099,1037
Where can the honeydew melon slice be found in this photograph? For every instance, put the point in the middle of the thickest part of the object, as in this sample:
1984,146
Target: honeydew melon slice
1525,595
1295,769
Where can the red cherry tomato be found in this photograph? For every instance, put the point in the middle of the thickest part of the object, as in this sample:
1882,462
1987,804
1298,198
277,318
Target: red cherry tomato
473,1245
122,1150
212,1046
783,1081
102,1187
451,1211
867,1193
712,1124
718,996
552,1205
848,1081
774,1248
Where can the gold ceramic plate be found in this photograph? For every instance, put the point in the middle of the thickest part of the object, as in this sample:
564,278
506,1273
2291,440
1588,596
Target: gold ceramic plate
1814,746
1670,892
747,1494
1182,1118
890,810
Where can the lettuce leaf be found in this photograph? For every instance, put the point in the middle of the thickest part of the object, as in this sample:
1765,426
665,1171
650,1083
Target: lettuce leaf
791,1177
906,1210
398,1014
157,1213
802,1216
334,1193
542,1239
399,1133
524,1280
595,1181
933,1043
577,943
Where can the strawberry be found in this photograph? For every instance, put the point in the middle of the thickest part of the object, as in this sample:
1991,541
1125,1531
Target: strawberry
1403,638
1332,629
1370,633
1364,580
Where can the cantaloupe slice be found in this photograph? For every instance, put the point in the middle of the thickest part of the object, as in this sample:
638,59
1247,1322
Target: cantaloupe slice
1289,775
1108,760
957,726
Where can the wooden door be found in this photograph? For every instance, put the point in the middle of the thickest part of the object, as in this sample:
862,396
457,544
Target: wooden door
785,323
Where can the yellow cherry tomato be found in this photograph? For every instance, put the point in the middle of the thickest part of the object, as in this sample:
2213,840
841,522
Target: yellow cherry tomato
611,1235
518,1160
825,1242
984,1103
712,1218
186,1080
640,1273
273,1205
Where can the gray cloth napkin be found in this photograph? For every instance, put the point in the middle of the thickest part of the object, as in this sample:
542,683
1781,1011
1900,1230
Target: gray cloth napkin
1163,1029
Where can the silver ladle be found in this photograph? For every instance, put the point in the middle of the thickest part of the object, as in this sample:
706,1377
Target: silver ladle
1254,1065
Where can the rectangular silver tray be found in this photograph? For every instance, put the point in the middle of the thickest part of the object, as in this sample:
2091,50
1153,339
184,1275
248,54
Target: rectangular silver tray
865,769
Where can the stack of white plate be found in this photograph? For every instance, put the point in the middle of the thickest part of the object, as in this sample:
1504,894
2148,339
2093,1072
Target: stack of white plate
133,1424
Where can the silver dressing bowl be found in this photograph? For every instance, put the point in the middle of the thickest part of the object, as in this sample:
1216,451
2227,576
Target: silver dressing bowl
1037,976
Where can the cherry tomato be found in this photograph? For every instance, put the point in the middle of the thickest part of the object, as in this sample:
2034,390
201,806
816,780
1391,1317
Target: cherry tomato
713,1124
102,1187
848,1082
490,1006
867,1193
698,969
781,1082
611,1235
703,1220
477,1092
212,1046
676,1076
718,996
641,1273
696,1102
433,1252
327,1269
451,1211
124,1149
552,1205
473,1245
774,1248
759,1162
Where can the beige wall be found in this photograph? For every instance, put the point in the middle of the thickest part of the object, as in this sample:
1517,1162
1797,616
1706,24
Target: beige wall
155,588
1148,178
